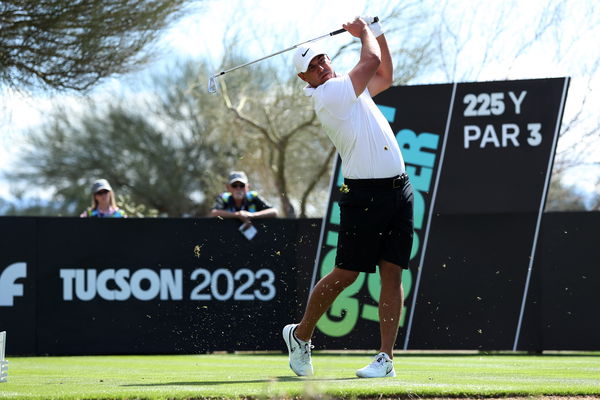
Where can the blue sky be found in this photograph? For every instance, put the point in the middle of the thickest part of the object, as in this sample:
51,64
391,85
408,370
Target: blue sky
471,51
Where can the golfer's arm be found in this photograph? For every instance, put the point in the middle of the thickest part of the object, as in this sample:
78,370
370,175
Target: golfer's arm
384,76
370,59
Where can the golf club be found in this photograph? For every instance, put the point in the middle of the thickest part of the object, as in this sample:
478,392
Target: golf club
212,81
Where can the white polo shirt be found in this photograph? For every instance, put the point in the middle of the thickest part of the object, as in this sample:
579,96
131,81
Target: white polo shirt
358,130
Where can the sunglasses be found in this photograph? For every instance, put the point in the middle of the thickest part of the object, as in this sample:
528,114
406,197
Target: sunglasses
238,185
102,192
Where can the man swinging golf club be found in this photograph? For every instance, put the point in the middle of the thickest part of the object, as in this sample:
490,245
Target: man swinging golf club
376,204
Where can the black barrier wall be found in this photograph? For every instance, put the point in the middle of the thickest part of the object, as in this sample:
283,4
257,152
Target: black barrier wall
562,308
107,286
149,286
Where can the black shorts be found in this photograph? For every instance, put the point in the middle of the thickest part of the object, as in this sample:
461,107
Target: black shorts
376,222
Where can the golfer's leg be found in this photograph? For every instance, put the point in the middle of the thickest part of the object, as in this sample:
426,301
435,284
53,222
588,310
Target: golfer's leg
391,300
322,296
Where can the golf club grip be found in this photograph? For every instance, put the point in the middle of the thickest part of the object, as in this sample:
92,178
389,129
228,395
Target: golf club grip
375,19
337,32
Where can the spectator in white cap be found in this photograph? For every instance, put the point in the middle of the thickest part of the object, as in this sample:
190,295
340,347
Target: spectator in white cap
240,202
103,202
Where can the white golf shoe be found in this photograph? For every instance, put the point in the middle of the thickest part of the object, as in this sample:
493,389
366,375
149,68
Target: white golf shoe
381,367
299,351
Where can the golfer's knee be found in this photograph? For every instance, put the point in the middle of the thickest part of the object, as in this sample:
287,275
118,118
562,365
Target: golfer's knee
391,274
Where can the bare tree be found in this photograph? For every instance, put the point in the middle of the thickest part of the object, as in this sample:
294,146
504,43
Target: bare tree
562,197
159,152
278,124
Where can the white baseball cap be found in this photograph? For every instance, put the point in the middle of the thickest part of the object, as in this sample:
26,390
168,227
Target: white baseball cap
101,184
238,176
304,55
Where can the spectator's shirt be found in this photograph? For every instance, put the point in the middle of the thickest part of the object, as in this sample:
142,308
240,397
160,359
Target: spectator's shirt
112,213
251,203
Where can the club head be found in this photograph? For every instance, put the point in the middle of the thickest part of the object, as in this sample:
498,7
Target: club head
212,85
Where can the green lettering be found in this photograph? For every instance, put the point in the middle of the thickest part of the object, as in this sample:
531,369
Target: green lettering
421,180
335,214
332,239
412,147
415,245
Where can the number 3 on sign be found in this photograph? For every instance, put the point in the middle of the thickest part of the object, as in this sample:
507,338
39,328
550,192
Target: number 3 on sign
535,136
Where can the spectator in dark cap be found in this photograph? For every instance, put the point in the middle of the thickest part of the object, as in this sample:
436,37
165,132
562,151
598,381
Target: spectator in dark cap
240,202
103,202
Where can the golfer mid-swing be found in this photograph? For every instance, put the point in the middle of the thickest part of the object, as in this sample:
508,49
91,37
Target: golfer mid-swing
376,226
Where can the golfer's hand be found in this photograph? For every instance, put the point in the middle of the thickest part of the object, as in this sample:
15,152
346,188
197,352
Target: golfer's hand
356,27
375,27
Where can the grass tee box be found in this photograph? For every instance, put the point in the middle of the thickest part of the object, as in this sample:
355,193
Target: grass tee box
234,376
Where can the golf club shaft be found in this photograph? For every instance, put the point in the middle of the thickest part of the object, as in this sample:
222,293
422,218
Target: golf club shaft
375,19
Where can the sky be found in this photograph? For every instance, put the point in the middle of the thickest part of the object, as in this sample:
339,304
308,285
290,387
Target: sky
479,56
